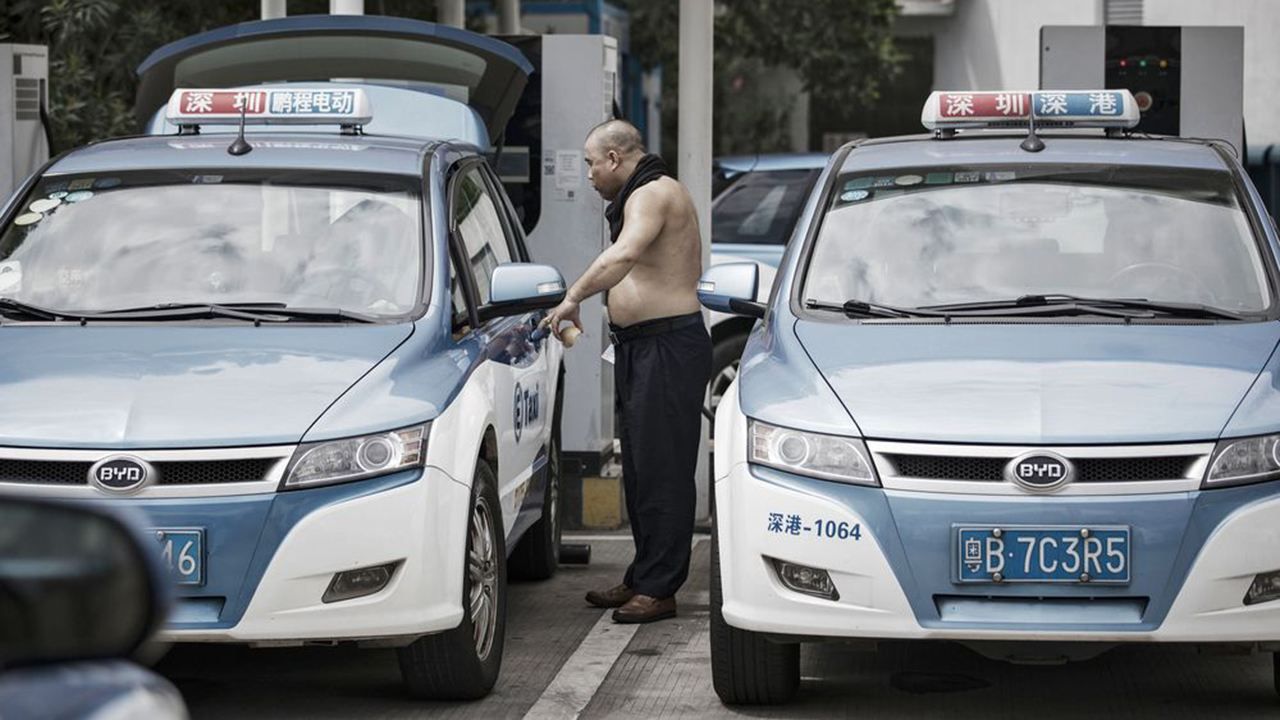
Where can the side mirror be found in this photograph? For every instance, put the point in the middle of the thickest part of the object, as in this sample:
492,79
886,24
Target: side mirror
731,288
518,288
77,582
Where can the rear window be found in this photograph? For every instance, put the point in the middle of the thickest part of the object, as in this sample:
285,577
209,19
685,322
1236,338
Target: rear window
761,208
936,235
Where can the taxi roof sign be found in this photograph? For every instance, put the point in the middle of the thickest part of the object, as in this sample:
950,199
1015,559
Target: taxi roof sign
269,106
945,110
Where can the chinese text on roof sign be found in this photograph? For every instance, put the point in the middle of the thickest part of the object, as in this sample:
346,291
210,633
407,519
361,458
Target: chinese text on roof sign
1074,108
349,106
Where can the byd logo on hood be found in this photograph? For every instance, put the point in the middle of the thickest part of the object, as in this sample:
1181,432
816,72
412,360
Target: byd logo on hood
1040,471
120,474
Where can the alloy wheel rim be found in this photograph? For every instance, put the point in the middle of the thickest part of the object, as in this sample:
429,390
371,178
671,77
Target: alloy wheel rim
482,569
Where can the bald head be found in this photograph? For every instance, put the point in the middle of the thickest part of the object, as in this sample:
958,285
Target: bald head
612,151
618,136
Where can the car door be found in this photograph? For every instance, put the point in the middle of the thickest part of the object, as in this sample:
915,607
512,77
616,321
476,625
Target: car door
516,365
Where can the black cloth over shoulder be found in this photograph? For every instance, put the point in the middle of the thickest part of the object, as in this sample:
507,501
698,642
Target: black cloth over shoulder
650,168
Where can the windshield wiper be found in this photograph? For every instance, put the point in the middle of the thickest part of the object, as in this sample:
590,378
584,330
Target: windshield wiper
309,313
1058,303
274,312
860,309
18,310
189,311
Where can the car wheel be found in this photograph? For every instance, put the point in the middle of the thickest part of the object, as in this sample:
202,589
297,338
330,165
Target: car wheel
746,668
1275,670
463,663
724,367
537,555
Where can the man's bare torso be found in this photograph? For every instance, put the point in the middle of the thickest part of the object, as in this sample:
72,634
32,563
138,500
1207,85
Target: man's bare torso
664,280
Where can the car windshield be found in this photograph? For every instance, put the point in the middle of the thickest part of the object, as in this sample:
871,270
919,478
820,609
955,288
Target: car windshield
941,235
132,240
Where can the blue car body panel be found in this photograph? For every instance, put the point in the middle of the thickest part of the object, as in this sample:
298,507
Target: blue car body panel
301,151
169,385
1045,384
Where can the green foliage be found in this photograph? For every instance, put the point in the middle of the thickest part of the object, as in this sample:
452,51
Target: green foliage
94,47
842,50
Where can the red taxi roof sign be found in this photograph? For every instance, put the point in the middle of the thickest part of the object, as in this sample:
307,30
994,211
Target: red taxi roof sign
311,106
946,110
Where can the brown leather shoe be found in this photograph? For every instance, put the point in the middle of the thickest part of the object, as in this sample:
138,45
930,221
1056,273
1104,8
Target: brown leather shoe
616,596
644,609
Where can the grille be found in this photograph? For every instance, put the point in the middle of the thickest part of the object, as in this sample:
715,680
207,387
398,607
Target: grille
208,472
45,472
1134,469
988,469
944,467
178,472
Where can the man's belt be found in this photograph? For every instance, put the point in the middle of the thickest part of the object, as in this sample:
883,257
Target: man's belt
650,328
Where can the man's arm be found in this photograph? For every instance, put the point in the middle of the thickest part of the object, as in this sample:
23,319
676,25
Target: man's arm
643,218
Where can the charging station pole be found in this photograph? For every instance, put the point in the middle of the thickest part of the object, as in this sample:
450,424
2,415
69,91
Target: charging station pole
451,12
697,35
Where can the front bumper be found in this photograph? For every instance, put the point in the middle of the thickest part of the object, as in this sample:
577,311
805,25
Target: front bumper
271,557
1194,556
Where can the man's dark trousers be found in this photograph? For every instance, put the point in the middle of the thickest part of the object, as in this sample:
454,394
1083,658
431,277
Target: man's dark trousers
661,370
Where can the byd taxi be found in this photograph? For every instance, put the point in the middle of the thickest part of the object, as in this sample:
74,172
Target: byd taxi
305,353
1016,386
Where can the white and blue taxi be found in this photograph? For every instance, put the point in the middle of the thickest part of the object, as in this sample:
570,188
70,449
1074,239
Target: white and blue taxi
1016,386
300,341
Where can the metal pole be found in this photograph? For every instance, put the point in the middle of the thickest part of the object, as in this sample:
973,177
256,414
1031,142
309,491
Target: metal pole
346,7
508,17
272,9
451,12
696,41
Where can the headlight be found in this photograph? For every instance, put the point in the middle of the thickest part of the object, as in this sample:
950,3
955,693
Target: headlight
336,461
830,457
1247,460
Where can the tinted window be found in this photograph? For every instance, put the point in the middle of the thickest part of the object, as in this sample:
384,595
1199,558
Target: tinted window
928,236
479,226
761,208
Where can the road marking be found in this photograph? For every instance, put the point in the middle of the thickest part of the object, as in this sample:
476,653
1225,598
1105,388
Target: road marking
583,674
568,537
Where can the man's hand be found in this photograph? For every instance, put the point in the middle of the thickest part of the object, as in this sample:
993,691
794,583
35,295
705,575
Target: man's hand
567,311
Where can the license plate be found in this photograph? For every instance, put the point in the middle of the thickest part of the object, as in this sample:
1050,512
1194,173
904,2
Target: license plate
1042,554
182,550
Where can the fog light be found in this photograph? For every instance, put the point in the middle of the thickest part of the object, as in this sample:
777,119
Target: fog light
1265,588
807,580
358,583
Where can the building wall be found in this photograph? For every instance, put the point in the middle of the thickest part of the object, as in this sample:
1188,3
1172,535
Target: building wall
1261,22
994,44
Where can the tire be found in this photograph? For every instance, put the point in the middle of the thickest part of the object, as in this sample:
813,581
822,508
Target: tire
1275,670
537,555
463,663
724,368
747,669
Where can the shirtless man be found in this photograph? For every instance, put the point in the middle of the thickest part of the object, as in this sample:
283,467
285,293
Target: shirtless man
662,360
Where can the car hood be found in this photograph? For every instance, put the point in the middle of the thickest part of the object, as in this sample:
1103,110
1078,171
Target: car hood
157,386
1039,384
